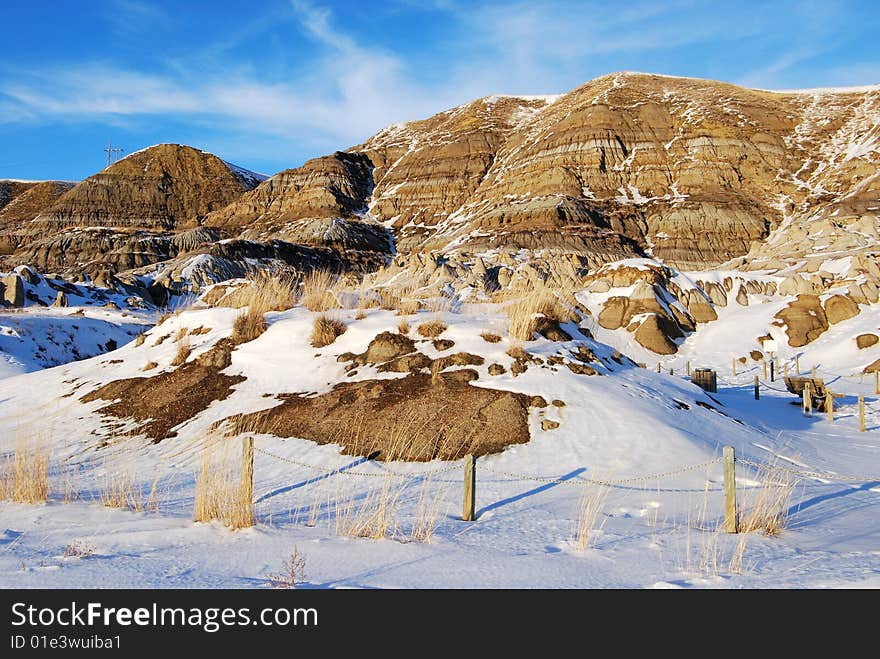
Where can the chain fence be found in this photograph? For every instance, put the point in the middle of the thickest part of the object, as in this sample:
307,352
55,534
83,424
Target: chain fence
761,467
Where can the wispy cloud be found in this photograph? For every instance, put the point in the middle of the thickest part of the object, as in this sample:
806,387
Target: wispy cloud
349,91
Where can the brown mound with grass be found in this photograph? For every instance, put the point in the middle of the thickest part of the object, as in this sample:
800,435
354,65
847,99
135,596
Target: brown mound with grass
416,418
168,399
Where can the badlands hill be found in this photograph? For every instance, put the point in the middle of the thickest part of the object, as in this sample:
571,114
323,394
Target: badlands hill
779,189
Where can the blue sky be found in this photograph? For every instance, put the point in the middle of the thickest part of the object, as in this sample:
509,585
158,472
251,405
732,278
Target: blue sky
268,84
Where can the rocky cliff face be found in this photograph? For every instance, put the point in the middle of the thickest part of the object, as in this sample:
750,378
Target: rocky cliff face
694,172
20,203
321,203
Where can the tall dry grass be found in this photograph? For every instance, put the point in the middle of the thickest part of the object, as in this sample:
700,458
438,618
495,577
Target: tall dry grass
590,518
183,352
765,508
248,325
119,490
268,292
316,291
372,515
525,313
24,475
220,493
325,330
428,510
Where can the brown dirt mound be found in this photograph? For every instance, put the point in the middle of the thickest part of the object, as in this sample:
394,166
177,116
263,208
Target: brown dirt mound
409,418
168,399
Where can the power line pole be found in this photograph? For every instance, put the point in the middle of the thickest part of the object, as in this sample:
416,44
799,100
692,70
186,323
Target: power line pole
112,154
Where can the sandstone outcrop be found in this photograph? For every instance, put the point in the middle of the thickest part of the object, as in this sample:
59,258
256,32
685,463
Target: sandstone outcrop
839,308
13,291
805,320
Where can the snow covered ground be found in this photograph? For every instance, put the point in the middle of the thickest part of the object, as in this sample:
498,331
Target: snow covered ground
656,438
94,320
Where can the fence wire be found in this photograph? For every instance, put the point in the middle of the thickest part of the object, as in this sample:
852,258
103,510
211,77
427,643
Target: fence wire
611,482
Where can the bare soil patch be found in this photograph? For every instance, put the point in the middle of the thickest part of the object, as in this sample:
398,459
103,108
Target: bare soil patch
414,418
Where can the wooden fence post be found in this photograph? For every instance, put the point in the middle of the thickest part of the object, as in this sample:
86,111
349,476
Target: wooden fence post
764,363
861,414
658,367
808,399
813,372
829,404
757,389
730,524
734,366
470,487
797,365
772,371
689,369
247,477
877,382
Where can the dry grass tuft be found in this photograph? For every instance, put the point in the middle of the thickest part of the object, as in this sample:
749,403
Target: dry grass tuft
368,300
436,371
403,327
293,572
248,325
316,291
766,507
149,366
427,512
389,298
118,490
79,549
183,352
408,307
360,315
325,330
24,475
181,334
268,292
139,341
590,507
489,337
371,516
441,304
432,329
525,313
220,493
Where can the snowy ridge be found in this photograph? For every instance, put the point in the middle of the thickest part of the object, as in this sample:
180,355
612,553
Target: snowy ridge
252,178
